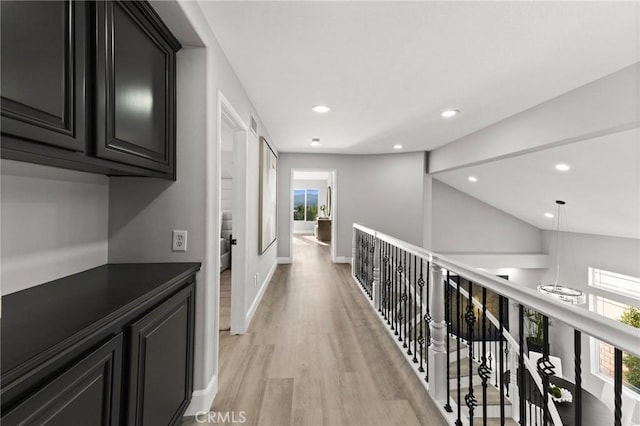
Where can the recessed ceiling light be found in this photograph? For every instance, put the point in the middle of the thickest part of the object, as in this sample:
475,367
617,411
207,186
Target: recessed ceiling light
322,109
473,179
562,167
549,215
315,142
398,146
448,113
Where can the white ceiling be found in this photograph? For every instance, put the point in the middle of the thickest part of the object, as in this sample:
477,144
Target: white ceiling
388,68
602,188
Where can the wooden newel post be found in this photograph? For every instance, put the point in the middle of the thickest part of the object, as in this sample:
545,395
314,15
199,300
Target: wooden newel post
438,357
376,274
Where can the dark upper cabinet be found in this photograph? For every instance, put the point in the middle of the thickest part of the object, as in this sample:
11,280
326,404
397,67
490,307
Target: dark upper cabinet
161,367
88,392
135,84
44,72
89,86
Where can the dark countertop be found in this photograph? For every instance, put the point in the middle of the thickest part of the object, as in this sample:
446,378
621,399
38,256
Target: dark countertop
36,319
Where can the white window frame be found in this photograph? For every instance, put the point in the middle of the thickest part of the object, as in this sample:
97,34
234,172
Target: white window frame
619,295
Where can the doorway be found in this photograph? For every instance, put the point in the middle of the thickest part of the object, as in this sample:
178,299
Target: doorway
232,217
313,209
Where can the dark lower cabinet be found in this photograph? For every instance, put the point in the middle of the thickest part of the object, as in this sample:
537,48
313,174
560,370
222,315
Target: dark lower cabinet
88,392
160,377
110,346
44,71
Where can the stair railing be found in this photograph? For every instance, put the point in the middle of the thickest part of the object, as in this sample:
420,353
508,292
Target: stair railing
415,292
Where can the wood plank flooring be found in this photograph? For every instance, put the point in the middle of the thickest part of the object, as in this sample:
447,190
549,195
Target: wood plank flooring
315,354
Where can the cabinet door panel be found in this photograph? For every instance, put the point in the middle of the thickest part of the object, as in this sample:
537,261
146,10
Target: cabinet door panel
44,72
161,375
136,85
86,393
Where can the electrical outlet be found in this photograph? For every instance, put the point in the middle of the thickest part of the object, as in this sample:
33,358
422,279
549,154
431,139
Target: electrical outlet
179,241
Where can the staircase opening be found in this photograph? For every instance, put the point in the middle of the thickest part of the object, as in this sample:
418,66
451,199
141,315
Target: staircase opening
313,210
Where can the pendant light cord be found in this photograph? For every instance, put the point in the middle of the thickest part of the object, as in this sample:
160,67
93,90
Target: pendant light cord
557,245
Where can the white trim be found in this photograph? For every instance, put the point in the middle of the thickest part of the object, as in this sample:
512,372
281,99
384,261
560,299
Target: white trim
240,211
334,207
202,399
258,299
284,260
341,259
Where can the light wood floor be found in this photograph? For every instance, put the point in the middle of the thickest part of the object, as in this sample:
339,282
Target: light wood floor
315,354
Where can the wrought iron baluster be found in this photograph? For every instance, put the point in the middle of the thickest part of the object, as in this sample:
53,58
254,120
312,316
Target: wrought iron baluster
484,371
521,373
372,250
405,299
415,316
458,330
545,368
470,319
394,321
577,359
502,356
617,387
387,282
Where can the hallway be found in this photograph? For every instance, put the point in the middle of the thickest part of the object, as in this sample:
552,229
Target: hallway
315,354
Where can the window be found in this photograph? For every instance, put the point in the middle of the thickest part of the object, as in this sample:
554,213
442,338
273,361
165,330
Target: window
623,285
614,285
305,204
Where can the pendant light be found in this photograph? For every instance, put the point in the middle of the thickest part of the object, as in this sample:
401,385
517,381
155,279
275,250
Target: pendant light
563,293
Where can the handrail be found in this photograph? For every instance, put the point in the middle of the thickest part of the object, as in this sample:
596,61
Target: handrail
607,330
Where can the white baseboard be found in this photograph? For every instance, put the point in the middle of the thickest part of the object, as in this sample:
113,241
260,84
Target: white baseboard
202,399
284,260
256,302
341,259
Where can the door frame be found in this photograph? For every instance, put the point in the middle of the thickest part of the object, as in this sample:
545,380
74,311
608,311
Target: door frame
228,114
334,207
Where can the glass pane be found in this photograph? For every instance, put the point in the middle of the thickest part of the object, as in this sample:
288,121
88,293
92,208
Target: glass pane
312,204
298,204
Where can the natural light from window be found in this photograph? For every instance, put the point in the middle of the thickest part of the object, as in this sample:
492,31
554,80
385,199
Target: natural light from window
305,204
614,284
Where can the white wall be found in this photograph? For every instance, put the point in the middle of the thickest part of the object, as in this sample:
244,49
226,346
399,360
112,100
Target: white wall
381,191
306,227
461,223
463,227
143,212
54,223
